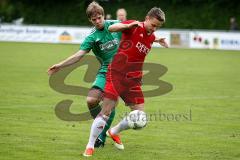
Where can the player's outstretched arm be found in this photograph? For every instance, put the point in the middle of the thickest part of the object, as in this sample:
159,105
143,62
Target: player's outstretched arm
162,42
118,27
67,62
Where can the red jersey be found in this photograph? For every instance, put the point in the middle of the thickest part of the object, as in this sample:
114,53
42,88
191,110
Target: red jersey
125,72
134,46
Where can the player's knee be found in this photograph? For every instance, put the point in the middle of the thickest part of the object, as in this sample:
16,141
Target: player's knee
106,111
92,102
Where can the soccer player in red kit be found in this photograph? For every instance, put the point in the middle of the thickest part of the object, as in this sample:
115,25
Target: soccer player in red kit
125,73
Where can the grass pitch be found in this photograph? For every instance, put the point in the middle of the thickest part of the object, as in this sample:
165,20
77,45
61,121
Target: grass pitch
199,119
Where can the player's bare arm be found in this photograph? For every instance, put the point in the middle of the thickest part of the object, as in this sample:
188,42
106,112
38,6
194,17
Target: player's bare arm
162,42
118,27
67,62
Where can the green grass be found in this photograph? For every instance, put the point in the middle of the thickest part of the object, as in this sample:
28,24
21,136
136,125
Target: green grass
207,82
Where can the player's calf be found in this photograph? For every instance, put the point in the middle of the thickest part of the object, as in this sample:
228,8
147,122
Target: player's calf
93,99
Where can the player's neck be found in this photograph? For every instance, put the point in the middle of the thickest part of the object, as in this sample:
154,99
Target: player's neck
101,29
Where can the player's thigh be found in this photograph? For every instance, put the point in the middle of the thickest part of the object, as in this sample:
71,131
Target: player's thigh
95,94
133,96
110,90
99,81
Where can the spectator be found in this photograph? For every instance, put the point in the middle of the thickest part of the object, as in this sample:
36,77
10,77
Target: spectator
121,14
233,24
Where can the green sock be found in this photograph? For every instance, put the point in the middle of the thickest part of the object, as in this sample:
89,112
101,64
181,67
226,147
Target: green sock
103,135
94,111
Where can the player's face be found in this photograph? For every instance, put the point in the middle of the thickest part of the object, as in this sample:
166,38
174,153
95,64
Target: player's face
97,21
121,16
152,24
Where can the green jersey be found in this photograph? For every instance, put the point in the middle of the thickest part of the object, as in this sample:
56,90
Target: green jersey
103,43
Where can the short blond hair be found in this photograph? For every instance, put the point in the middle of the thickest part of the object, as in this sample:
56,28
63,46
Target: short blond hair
121,14
157,13
94,9
122,10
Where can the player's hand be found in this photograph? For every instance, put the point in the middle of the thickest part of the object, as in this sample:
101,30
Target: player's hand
163,42
133,24
53,69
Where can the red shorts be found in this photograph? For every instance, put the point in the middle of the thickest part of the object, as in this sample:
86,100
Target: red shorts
128,89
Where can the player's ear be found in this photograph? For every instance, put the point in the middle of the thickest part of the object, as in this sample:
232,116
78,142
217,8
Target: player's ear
147,18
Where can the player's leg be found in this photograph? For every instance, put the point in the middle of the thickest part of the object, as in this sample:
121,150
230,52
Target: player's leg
99,123
102,137
109,103
114,132
95,94
135,100
93,99
123,124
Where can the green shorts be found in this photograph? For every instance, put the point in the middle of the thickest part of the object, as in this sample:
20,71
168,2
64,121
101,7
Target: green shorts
100,81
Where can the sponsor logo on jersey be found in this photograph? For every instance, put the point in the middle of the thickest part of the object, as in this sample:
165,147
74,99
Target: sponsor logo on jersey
142,48
110,45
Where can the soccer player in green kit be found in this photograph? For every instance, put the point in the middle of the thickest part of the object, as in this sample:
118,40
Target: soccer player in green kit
104,45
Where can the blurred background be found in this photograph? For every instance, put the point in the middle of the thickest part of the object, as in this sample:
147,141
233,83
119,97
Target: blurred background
182,14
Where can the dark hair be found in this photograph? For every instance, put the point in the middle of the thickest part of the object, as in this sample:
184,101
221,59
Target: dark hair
93,9
157,13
